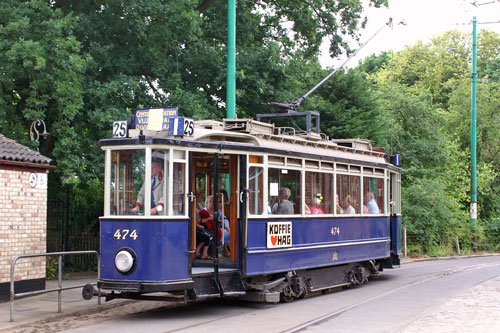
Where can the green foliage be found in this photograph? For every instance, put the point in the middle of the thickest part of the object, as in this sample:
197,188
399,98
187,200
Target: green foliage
415,131
443,250
351,109
80,65
427,89
491,233
42,70
51,268
432,218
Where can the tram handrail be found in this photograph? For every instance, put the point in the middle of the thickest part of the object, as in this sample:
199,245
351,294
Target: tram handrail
60,287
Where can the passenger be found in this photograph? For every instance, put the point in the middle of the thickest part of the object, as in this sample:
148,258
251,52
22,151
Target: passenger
307,210
339,209
372,204
274,205
204,236
207,223
203,240
157,201
283,206
316,209
227,231
199,202
347,204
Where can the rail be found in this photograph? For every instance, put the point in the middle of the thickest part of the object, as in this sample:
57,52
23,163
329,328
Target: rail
60,288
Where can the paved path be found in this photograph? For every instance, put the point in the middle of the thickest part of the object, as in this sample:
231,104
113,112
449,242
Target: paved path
44,307
476,309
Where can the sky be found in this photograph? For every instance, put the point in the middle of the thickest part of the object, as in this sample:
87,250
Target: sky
424,20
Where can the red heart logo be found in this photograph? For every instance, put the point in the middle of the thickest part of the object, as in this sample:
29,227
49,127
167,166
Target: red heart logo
274,239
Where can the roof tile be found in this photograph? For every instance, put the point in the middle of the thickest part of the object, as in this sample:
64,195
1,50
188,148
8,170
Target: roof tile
10,150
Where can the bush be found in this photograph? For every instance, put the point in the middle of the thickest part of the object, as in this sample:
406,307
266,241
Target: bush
491,233
51,268
432,219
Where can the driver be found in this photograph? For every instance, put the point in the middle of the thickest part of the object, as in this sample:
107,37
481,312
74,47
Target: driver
157,200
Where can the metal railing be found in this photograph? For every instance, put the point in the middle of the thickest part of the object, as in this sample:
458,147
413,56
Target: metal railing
60,288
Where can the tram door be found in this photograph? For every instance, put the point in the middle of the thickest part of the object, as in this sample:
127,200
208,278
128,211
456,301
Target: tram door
204,181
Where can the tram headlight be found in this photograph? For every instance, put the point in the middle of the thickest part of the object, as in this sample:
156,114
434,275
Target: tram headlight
124,261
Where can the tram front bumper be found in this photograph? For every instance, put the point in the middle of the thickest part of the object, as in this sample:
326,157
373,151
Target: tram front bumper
145,287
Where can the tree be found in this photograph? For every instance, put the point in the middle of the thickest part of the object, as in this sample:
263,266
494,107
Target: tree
79,65
351,109
42,70
428,89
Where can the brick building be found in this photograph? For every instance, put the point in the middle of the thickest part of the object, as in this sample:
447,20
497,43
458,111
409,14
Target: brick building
23,215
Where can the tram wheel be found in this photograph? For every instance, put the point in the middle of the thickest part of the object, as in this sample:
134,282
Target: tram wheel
286,295
286,299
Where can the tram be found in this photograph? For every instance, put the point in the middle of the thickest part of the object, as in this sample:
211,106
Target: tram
297,213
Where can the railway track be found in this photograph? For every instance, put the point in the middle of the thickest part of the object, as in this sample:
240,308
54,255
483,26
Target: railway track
442,281
423,279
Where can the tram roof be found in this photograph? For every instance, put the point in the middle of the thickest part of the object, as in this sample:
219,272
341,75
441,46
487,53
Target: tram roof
255,136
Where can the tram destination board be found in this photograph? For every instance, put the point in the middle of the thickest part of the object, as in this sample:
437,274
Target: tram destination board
157,119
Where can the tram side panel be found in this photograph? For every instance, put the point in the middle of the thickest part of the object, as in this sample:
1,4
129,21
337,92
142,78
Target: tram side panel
159,248
396,242
316,242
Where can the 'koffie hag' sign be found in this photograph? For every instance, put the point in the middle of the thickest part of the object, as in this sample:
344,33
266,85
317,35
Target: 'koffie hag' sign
279,234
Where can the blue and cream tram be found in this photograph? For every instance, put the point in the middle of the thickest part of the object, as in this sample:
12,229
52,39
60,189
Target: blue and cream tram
302,214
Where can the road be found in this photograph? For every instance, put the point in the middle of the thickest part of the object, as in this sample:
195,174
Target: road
414,298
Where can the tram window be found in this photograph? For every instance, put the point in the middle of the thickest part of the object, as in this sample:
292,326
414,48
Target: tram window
179,154
284,183
355,169
327,165
319,192
201,190
342,167
159,182
395,193
294,162
348,190
373,195
312,164
276,160
256,159
178,195
255,185
368,171
127,174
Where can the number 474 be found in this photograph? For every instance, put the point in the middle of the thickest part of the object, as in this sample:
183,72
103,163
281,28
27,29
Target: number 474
335,231
123,233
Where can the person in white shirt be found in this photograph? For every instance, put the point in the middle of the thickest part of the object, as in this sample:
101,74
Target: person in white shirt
372,204
157,201
347,204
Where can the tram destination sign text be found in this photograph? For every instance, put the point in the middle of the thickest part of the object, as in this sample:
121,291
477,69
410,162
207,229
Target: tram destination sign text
154,119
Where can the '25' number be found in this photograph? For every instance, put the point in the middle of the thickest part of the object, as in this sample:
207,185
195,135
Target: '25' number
122,234
120,129
188,127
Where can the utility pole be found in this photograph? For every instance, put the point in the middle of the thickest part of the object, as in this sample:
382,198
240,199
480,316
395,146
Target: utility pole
231,60
473,194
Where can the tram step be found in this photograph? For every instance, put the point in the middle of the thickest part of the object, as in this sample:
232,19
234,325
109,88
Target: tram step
206,286
265,297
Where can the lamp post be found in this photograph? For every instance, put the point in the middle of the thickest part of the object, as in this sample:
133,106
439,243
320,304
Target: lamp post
473,194
231,60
